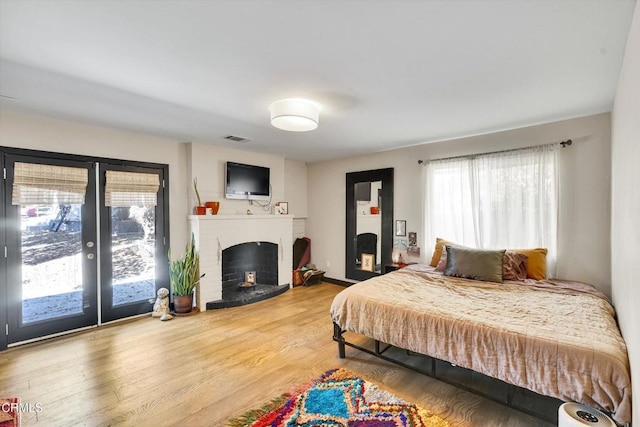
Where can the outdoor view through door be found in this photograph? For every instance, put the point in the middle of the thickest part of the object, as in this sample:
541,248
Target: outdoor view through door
51,241
50,200
133,254
65,217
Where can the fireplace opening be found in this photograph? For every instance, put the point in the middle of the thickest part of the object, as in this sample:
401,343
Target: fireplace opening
249,274
259,258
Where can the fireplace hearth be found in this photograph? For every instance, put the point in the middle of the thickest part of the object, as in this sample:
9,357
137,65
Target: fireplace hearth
234,297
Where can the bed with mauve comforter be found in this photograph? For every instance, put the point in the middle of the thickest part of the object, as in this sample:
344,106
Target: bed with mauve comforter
556,338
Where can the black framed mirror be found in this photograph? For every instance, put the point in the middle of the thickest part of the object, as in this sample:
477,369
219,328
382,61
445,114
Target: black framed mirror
369,229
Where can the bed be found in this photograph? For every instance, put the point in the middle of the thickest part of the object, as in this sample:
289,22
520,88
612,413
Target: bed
557,338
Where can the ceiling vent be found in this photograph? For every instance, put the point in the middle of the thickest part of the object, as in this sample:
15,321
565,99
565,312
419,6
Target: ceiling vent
236,138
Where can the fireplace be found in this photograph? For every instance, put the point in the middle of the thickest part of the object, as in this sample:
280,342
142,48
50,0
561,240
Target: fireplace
249,274
217,234
260,258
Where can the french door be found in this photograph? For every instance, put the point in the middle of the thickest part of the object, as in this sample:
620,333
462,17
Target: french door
83,246
51,254
132,242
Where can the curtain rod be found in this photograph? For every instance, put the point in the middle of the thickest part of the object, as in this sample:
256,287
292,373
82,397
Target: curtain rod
564,144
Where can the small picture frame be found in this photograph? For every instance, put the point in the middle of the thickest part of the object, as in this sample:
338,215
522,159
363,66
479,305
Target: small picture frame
282,208
367,262
400,244
401,227
413,238
250,276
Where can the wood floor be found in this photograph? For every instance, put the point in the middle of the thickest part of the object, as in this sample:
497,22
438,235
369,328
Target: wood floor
205,369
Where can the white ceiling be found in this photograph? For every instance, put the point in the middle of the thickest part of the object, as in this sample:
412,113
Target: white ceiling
387,74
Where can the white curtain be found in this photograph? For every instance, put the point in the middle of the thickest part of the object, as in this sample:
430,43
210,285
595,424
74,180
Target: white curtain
495,201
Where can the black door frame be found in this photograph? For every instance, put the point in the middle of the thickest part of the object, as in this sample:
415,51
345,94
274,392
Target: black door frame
108,312
3,260
162,281
19,332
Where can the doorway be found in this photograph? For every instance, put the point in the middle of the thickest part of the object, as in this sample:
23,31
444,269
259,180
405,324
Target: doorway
84,240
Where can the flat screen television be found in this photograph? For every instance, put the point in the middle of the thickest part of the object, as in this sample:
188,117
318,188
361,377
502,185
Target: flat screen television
247,182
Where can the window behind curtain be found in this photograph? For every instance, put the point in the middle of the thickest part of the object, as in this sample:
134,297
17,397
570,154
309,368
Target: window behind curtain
496,201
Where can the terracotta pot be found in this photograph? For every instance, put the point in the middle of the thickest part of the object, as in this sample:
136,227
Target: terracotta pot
183,303
201,210
215,206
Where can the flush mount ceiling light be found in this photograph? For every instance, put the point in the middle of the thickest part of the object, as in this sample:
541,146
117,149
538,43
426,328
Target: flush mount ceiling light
295,115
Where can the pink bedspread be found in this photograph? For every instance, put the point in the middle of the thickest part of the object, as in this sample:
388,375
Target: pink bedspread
557,338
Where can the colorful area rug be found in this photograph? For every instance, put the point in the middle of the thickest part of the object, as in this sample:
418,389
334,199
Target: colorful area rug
9,414
339,398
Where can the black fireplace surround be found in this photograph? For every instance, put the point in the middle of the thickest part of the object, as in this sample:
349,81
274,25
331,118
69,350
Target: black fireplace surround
259,257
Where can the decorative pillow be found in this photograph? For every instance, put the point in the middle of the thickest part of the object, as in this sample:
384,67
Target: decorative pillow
514,266
437,252
442,264
536,262
474,264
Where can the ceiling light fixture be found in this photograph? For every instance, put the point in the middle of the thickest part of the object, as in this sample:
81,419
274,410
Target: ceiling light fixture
295,115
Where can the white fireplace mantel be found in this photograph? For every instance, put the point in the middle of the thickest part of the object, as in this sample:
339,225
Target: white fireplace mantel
214,233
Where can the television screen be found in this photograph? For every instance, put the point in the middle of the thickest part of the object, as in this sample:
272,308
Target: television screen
247,182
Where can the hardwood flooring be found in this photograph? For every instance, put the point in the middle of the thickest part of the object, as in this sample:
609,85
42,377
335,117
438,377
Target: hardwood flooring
205,369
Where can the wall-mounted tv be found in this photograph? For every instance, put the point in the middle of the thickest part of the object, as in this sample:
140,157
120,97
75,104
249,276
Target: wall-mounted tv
247,182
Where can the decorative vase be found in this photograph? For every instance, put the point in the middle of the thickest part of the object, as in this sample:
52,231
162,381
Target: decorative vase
215,206
182,303
201,210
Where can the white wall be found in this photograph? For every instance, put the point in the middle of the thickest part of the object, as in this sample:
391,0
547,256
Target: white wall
295,187
583,244
295,193
625,212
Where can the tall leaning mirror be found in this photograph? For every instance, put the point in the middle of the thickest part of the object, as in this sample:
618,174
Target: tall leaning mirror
369,230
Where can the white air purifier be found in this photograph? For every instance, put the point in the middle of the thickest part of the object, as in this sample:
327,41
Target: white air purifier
576,415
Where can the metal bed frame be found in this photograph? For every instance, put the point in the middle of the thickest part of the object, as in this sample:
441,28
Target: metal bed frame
378,351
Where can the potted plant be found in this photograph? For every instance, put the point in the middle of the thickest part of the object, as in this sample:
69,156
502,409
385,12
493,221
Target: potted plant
184,275
200,209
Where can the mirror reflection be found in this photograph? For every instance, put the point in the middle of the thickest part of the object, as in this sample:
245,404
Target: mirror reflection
368,198
369,231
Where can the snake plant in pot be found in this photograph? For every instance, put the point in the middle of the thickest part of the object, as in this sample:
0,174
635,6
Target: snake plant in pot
200,209
184,274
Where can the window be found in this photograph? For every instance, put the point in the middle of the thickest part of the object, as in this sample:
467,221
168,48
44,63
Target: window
497,200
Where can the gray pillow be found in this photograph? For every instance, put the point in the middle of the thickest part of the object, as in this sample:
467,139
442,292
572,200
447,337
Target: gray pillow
476,264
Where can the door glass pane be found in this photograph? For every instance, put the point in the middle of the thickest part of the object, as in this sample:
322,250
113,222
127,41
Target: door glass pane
51,239
133,240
